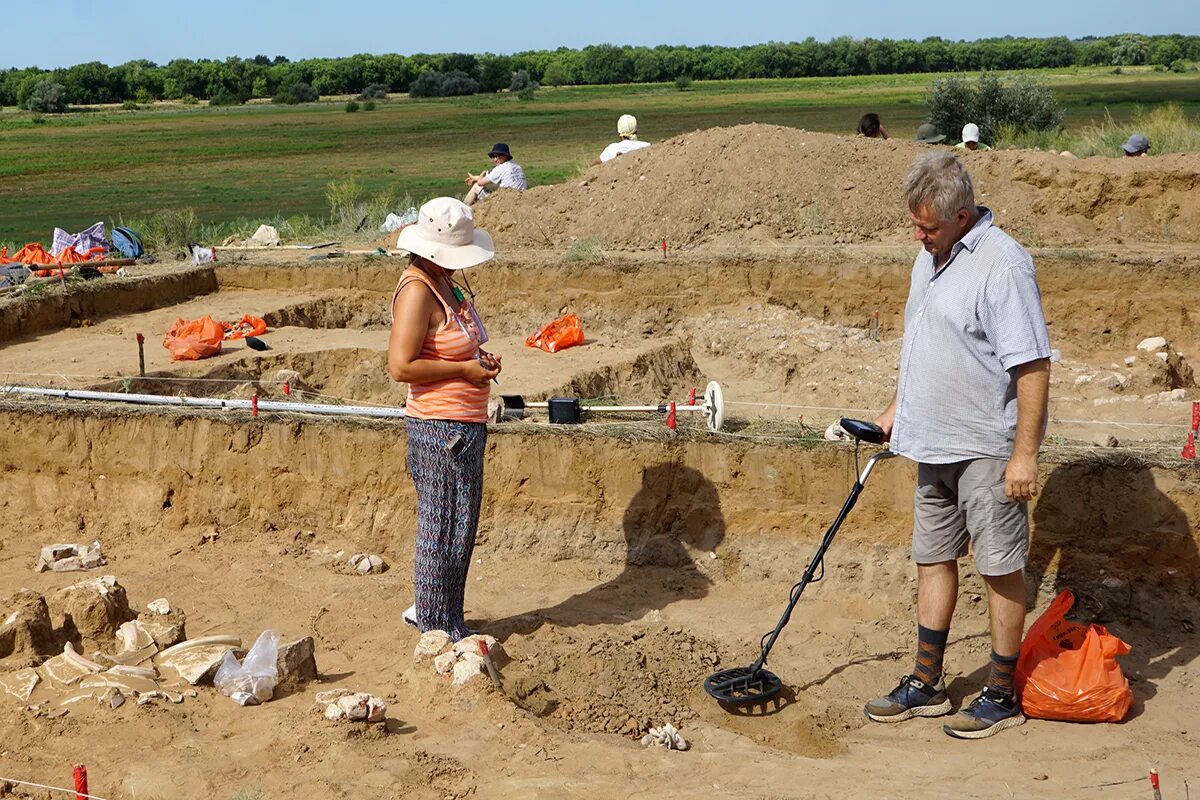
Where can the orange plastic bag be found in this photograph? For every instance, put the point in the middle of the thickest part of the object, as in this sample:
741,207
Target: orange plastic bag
249,326
558,335
34,253
1068,671
193,339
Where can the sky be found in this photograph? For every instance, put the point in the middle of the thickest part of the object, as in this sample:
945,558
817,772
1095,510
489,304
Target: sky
63,32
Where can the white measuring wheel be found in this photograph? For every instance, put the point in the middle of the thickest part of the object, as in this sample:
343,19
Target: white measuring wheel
714,406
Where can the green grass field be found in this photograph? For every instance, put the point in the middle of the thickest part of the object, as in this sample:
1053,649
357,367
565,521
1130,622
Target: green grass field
262,161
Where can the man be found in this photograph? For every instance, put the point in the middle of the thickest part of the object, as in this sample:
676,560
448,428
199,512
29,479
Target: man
970,138
970,409
927,133
627,140
507,174
1136,145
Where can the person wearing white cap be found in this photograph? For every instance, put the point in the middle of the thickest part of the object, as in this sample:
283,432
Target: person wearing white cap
436,347
970,138
1136,145
627,143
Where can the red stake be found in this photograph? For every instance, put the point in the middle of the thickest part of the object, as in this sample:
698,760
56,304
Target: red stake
1154,784
1189,449
664,248
1196,416
671,415
287,389
81,787
254,405
692,397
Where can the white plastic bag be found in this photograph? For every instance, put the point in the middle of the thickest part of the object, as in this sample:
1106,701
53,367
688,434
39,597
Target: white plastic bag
395,222
252,681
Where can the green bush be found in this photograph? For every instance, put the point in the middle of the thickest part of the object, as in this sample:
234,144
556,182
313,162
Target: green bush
369,105
443,84
375,91
224,97
1019,105
521,82
189,100
351,106
130,105
142,96
47,97
683,83
1179,65
294,93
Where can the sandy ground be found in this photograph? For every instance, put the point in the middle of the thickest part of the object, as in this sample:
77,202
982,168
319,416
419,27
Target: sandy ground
618,565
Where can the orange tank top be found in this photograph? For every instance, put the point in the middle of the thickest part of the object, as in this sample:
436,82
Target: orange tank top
456,340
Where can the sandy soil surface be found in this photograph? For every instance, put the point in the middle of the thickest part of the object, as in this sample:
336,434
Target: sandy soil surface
618,564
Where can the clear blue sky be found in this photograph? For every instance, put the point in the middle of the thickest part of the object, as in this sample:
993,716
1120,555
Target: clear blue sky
51,33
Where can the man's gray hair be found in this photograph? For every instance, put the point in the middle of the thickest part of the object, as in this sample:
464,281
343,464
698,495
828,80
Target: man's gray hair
941,181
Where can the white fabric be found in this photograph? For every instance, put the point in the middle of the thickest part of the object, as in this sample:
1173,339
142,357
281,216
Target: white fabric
627,125
508,175
621,148
970,132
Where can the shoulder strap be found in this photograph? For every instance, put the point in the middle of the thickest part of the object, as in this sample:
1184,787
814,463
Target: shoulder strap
412,274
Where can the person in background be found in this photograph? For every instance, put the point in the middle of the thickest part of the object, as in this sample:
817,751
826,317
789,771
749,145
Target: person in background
627,143
970,409
506,174
1136,145
970,138
870,126
436,348
928,134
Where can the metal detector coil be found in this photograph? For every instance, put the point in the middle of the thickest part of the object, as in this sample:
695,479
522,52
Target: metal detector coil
752,684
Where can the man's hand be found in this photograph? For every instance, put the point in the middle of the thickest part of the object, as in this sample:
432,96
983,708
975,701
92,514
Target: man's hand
1021,478
887,420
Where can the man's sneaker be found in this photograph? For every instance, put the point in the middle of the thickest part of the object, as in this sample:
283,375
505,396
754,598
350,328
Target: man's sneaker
912,698
410,615
986,716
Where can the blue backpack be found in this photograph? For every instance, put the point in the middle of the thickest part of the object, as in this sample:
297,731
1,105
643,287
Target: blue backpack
129,242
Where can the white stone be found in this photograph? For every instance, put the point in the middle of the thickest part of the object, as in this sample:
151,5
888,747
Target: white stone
444,663
1105,440
159,606
468,667
358,707
470,644
1130,360
1152,344
265,235
1162,356
431,644
1174,394
1082,379
1112,381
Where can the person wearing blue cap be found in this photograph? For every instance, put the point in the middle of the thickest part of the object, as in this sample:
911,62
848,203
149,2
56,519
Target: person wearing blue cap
1136,145
507,174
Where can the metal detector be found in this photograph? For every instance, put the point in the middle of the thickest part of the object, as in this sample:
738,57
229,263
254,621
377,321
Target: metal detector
568,410
755,684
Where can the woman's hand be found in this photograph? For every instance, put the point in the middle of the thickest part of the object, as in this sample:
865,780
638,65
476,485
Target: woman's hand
480,373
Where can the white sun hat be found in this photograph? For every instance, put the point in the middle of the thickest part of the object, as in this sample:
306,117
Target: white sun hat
627,126
445,234
970,132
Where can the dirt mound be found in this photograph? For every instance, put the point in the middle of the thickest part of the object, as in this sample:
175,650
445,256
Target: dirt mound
26,635
91,610
761,185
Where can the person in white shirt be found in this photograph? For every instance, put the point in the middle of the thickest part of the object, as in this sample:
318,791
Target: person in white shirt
627,130
507,174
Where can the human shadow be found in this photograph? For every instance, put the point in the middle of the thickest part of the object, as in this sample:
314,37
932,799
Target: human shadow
674,518
1106,531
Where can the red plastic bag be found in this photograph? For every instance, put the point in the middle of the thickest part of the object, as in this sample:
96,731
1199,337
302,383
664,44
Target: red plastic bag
1068,671
558,335
193,339
249,326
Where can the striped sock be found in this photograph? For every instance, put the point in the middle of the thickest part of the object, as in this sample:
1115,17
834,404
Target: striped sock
1000,681
931,647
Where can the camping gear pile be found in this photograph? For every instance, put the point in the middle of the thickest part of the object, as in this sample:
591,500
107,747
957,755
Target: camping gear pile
88,254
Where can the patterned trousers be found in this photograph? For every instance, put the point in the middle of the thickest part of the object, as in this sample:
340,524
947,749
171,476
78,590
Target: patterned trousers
449,493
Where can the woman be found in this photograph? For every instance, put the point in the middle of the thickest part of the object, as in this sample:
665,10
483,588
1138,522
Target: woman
870,126
435,347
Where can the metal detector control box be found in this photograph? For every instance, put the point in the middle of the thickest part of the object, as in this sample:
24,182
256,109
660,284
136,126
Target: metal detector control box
565,411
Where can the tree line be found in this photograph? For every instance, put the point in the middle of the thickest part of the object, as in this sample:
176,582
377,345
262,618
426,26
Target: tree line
237,79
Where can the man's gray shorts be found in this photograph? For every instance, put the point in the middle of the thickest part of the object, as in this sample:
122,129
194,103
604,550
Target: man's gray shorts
965,502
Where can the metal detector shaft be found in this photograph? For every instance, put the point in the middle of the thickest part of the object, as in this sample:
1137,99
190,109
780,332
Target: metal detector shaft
817,558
